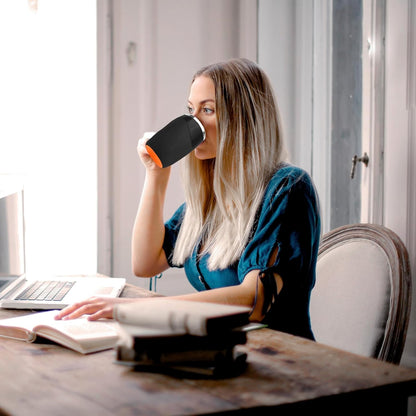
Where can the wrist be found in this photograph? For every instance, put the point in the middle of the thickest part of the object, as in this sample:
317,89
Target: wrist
158,175
156,182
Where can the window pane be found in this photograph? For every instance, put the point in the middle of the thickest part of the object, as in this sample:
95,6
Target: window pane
346,111
48,129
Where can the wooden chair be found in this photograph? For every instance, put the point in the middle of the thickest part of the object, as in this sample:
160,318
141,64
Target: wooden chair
361,299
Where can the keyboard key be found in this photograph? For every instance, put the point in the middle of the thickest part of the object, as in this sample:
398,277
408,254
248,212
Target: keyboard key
46,290
63,291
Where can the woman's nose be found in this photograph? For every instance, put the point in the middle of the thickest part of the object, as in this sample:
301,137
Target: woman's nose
197,112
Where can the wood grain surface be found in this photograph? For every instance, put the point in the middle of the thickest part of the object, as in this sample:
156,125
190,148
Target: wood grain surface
283,371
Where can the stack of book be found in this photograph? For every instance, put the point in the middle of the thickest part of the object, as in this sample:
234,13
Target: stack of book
182,337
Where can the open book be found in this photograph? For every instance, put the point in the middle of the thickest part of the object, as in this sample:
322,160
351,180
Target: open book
159,317
78,334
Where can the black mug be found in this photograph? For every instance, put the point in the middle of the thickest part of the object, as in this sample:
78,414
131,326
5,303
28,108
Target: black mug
175,140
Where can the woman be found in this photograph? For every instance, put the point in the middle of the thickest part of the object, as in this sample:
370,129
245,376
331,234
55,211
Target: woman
249,231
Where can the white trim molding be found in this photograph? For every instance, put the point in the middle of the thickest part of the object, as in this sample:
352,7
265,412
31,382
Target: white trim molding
410,348
400,141
104,129
322,106
374,28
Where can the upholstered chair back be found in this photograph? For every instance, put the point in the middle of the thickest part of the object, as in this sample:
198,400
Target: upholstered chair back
361,299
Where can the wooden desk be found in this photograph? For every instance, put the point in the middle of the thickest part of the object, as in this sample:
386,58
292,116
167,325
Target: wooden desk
284,372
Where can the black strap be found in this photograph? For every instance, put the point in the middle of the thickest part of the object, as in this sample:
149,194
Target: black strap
270,289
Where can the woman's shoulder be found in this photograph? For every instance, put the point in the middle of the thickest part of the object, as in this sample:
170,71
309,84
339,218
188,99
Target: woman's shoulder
287,175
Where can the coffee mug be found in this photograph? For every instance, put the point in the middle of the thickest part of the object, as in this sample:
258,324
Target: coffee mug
175,140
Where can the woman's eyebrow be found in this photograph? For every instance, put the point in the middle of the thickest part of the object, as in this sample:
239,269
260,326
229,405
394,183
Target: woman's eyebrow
203,101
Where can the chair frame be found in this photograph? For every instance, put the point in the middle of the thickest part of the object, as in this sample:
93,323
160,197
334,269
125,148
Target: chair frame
391,348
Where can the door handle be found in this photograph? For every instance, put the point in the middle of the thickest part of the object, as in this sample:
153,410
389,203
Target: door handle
364,159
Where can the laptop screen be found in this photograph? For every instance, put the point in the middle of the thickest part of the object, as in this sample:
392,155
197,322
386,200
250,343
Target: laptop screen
12,252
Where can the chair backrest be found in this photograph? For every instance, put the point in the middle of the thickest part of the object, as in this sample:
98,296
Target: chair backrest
361,299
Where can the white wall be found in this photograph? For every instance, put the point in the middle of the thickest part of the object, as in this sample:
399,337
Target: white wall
171,41
277,40
285,36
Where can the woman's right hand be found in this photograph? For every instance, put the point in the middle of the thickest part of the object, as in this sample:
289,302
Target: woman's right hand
96,307
147,161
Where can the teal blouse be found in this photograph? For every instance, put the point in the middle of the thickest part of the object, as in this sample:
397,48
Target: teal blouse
289,219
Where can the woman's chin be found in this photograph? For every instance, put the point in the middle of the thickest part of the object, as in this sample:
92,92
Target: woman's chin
204,155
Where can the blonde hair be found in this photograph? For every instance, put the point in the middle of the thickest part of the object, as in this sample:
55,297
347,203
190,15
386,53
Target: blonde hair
224,194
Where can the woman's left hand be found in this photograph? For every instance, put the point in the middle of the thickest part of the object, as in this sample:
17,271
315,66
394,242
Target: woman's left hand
96,307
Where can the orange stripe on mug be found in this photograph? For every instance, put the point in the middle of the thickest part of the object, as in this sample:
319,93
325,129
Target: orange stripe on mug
154,156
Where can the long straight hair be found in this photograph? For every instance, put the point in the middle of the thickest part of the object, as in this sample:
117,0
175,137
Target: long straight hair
223,194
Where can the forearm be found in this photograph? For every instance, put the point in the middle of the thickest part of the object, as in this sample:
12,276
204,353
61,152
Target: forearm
148,257
249,293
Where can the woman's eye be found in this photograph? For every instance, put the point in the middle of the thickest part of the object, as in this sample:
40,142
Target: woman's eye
208,110
190,110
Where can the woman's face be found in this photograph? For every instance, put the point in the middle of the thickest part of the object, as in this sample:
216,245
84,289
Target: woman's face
201,104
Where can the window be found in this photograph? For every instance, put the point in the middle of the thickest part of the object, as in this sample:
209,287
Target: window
48,130
346,111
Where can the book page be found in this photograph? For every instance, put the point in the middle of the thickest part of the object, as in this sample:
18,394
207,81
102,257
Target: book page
80,334
21,327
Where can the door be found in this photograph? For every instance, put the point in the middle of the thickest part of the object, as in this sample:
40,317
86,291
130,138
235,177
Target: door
354,85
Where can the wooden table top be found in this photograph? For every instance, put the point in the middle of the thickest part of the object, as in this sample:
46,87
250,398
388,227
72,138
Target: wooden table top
46,379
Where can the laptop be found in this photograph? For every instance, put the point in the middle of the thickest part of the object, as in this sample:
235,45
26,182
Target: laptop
18,291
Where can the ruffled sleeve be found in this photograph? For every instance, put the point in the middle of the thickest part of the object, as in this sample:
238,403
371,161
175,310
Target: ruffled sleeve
289,220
